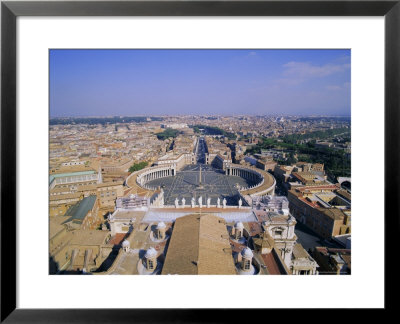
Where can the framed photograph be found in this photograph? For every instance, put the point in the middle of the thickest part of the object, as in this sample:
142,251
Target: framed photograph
142,140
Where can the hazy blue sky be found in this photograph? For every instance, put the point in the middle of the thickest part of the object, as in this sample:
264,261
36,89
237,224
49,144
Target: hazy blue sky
160,82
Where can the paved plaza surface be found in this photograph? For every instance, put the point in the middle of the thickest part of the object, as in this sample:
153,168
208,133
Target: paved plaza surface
214,184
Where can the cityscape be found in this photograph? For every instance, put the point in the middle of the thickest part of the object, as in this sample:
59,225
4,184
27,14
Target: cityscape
145,189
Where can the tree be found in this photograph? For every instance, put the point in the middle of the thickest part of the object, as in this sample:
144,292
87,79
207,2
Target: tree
138,166
169,132
291,159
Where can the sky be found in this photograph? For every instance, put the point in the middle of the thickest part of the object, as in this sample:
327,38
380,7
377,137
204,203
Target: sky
199,82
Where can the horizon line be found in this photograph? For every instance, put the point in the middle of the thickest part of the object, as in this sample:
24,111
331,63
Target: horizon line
199,115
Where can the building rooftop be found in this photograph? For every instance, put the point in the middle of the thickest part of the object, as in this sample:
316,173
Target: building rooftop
128,214
80,209
56,224
333,213
70,174
110,184
264,241
75,195
199,245
345,194
89,237
299,252
273,264
171,214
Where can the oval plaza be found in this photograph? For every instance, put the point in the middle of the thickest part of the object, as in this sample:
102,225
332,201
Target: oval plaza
183,182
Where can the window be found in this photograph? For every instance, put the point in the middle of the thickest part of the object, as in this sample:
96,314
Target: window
247,265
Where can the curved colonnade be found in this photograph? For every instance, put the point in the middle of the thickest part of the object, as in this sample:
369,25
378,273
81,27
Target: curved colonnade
265,185
139,179
154,173
265,181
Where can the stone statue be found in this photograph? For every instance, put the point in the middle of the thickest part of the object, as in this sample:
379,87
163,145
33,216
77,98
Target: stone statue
176,202
219,203
240,202
193,202
208,202
183,202
224,203
201,201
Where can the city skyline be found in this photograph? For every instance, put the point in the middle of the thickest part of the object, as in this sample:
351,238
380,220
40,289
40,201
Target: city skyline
98,83
200,195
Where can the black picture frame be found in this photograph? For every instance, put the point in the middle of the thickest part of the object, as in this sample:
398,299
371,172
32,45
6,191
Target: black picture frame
10,10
